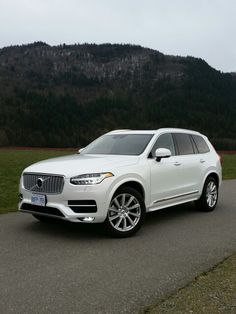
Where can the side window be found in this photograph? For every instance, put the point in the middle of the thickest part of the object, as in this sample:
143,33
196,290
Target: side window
164,141
184,144
201,144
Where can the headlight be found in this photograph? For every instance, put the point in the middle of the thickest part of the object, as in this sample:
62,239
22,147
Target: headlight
90,178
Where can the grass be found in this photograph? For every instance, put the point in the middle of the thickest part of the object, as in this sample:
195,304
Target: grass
211,292
12,162
229,166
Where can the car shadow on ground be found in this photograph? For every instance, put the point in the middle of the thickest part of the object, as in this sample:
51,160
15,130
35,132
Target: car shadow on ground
69,230
74,230
66,230
170,213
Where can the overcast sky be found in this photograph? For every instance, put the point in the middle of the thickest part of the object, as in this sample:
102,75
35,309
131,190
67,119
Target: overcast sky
200,28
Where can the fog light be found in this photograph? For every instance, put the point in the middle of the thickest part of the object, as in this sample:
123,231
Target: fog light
87,219
20,197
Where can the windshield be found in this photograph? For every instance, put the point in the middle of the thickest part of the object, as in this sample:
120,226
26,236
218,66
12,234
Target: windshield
119,144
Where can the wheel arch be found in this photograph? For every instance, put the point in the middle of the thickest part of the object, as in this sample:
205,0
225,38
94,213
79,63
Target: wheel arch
213,174
134,185
129,182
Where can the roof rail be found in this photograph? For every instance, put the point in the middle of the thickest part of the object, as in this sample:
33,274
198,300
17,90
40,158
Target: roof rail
121,130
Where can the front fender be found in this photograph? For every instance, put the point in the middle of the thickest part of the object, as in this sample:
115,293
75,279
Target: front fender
125,179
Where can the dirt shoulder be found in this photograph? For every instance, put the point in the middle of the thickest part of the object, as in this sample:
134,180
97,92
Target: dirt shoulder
211,292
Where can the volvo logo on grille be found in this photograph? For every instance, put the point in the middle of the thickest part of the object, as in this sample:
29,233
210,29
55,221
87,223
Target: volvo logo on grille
39,182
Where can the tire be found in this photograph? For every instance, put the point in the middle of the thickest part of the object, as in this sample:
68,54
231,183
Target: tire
209,197
126,213
42,218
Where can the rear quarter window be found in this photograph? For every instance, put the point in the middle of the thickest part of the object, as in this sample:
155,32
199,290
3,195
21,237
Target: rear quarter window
201,144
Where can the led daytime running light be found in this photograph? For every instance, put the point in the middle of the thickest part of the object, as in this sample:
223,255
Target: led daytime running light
90,178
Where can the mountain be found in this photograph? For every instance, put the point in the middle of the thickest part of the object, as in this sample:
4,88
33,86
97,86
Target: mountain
63,96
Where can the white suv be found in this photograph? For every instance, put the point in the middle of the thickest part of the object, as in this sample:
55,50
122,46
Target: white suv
121,176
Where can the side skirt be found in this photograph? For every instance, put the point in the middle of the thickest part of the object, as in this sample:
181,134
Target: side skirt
174,200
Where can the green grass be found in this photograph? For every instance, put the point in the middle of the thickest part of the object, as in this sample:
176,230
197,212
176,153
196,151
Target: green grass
212,292
12,162
229,166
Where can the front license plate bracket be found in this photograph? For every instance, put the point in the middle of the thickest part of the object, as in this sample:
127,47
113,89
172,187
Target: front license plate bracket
39,200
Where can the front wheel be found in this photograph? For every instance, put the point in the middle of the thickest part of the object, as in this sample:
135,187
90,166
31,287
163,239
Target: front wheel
209,197
126,213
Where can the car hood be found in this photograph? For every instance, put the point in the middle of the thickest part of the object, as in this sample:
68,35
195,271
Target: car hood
76,164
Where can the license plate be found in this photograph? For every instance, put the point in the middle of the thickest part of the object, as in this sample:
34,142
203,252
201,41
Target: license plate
38,199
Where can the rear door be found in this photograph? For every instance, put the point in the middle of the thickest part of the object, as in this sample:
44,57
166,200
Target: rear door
202,157
189,164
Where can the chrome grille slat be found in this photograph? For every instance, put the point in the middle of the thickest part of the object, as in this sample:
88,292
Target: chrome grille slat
52,184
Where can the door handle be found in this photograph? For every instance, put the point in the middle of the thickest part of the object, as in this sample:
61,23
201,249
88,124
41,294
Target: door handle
202,161
177,163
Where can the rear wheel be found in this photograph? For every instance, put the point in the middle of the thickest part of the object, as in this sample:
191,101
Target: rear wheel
209,197
126,213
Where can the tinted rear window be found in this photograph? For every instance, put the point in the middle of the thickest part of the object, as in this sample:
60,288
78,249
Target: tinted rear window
184,144
201,144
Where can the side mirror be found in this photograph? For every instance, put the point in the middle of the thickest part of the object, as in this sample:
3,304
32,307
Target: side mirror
162,153
80,150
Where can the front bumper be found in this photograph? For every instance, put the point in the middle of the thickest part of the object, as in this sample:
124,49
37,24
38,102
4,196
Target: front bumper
100,193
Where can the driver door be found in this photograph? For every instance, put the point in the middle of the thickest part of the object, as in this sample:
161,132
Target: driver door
165,175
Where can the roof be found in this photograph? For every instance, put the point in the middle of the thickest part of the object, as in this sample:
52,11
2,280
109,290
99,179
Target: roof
161,130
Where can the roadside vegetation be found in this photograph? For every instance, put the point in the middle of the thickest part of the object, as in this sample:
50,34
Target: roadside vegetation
211,292
229,166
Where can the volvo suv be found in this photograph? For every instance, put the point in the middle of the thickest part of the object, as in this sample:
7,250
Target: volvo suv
123,175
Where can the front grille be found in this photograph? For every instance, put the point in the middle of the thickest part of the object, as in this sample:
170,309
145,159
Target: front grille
42,210
43,183
83,206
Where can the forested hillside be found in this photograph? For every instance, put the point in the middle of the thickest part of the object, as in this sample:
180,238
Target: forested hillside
67,95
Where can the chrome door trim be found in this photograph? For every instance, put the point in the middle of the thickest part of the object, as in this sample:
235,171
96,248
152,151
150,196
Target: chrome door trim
176,196
82,205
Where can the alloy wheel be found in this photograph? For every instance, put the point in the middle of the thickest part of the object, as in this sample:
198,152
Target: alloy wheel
211,194
124,212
